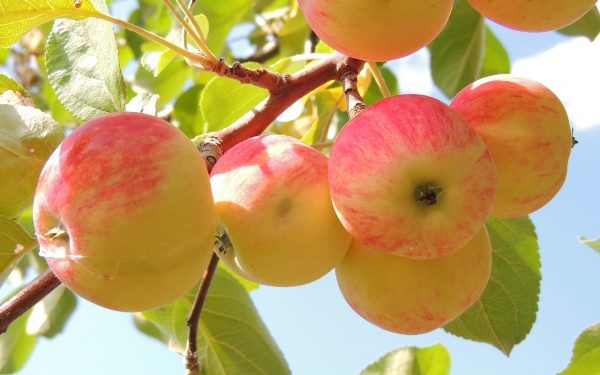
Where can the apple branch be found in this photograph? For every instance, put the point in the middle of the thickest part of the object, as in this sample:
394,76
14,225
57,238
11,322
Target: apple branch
294,87
348,78
31,294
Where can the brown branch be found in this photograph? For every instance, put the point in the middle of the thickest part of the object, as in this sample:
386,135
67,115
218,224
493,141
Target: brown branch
264,78
33,292
349,79
191,352
295,87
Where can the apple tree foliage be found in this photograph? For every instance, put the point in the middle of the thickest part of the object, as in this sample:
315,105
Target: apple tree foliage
65,65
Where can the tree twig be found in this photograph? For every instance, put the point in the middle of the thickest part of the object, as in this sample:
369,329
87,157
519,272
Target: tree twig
31,294
191,352
349,78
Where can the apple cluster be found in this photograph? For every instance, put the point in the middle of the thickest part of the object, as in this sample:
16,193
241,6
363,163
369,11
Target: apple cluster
126,213
399,208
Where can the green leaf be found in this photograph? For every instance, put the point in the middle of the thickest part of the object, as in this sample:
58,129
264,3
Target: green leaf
506,311
16,346
247,284
187,114
588,25
326,107
156,61
374,94
495,57
222,15
168,84
15,242
293,35
27,138
19,16
457,53
49,316
232,337
143,103
432,360
83,67
586,353
9,84
594,244
224,100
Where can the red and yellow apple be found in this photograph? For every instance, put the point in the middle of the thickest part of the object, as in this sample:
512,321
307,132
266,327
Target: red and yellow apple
272,197
124,214
376,30
413,296
527,131
408,176
533,15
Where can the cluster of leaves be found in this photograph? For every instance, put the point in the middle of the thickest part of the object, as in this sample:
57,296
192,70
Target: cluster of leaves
71,71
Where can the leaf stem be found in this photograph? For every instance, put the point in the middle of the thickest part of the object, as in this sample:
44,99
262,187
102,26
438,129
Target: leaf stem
201,41
385,91
202,60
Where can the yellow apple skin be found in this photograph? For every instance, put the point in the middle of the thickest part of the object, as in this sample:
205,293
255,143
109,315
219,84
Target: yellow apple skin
411,296
382,158
272,196
527,131
533,15
124,213
376,30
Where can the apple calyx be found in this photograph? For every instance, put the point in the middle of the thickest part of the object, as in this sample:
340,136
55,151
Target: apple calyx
428,194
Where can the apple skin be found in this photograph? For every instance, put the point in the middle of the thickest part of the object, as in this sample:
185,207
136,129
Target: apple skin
376,30
411,296
385,154
124,214
533,15
527,131
272,196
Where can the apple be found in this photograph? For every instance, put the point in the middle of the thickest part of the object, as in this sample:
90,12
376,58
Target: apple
533,15
527,131
271,195
376,30
408,176
123,212
413,296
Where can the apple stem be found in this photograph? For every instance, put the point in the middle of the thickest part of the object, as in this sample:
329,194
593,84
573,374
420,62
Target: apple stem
191,352
379,80
31,294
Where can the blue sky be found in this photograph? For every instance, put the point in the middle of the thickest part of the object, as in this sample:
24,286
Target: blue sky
320,334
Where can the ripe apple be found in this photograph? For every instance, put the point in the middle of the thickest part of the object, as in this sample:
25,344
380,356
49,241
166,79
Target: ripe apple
272,196
413,296
376,30
533,15
123,212
408,176
527,131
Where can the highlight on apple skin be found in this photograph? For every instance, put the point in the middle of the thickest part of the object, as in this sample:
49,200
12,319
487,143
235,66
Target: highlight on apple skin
124,213
411,296
526,129
408,176
376,30
272,197
533,15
